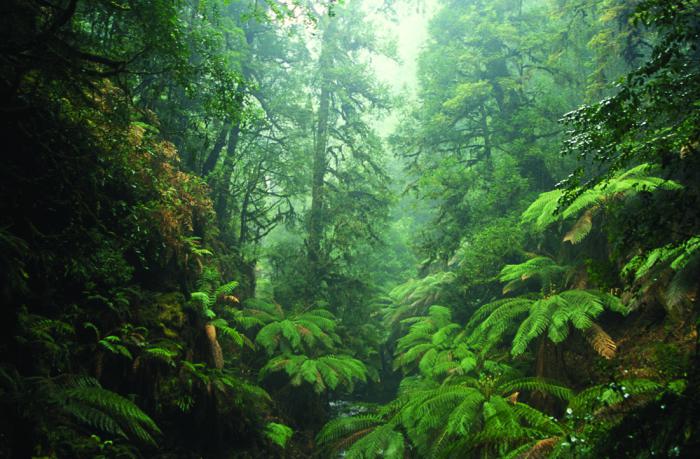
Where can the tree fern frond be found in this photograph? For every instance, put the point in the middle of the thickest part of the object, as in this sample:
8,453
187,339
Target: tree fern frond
545,210
581,228
278,433
601,342
336,433
536,384
555,312
538,419
542,211
376,443
612,393
108,411
225,289
202,298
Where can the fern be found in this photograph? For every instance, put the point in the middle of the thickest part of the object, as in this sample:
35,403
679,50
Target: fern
84,400
682,260
553,315
114,345
160,353
461,417
435,345
278,433
415,296
544,269
547,208
302,332
231,333
327,372
469,414
365,435
613,393
215,307
556,313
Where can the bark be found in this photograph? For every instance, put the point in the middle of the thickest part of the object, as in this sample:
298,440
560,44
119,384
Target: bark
320,161
216,150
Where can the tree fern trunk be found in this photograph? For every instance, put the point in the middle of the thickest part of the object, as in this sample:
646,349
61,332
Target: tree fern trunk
549,364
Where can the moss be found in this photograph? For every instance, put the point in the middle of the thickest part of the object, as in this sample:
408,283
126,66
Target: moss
171,314
670,360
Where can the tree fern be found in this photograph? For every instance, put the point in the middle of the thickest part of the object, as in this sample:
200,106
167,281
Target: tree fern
84,400
547,208
475,413
556,313
304,332
544,269
553,315
434,344
215,305
415,296
324,373
278,433
681,260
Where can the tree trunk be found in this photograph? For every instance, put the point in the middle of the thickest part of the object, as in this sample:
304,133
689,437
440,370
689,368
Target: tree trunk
316,222
215,153
316,215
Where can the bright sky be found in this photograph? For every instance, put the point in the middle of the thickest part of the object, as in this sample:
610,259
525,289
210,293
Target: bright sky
410,33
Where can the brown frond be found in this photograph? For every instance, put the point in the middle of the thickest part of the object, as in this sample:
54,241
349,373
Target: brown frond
541,449
230,298
217,354
581,228
513,398
352,438
601,342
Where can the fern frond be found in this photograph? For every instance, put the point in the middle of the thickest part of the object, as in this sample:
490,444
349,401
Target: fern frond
545,210
612,394
203,299
542,212
601,342
581,228
340,428
87,402
536,384
225,289
216,353
278,433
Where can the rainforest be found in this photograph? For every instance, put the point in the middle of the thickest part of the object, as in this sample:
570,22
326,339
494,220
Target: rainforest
363,229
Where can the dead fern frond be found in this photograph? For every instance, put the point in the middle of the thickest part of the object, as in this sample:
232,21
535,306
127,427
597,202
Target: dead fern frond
581,228
541,449
217,354
601,342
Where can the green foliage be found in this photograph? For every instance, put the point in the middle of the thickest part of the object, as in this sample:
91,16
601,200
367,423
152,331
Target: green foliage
682,260
157,148
304,332
547,271
464,415
550,208
435,345
87,403
416,295
278,433
606,395
113,344
550,315
326,372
